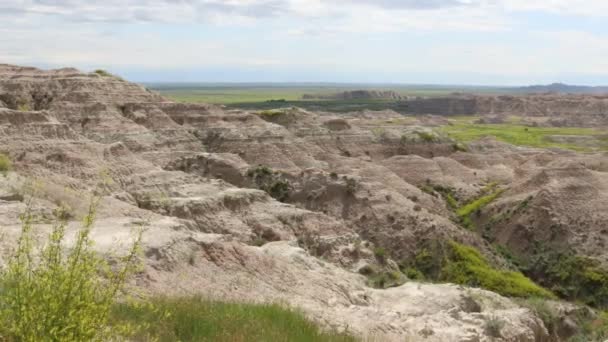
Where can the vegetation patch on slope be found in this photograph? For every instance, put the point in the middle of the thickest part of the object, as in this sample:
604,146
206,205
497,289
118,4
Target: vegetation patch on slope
573,277
270,181
474,207
196,319
460,264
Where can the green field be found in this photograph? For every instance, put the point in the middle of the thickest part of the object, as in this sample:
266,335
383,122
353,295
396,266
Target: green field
463,130
258,93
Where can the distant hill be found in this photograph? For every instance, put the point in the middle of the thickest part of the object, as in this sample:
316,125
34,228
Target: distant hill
356,95
563,88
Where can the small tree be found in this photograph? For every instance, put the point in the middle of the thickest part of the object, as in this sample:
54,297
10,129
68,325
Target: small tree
60,294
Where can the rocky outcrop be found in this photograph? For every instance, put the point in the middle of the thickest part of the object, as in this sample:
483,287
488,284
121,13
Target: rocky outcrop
556,109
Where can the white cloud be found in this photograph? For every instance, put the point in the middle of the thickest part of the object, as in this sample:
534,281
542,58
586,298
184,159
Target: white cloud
323,34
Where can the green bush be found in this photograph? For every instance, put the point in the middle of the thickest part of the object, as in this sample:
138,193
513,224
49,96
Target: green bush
5,164
386,279
413,274
542,310
24,107
59,294
595,329
103,73
269,181
380,254
493,327
196,319
573,277
427,137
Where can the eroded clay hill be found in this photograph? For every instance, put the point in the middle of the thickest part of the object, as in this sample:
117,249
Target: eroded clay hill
546,109
293,206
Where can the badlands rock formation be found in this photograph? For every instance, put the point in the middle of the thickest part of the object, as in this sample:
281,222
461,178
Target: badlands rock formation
349,185
552,109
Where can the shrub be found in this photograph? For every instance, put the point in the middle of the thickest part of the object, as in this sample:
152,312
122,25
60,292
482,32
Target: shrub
351,186
267,180
427,137
493,327
279,190
413,274
460,147
103,73
595,329
61,295
5,164
386,279
541,308
24,107
380,254
573,277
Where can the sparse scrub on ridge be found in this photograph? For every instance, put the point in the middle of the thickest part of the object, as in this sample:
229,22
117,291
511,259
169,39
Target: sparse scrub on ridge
51,293
102,73
196,319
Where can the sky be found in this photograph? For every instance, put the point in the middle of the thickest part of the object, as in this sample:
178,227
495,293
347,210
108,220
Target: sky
477,42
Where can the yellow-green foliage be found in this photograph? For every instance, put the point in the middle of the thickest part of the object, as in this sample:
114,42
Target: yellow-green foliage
196,319
24,107
5,164
59,294
427,137
466,266
464,213
515,134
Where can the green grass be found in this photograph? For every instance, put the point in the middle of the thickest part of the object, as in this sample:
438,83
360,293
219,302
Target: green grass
259,93
465,211
467,266
463,130
195,319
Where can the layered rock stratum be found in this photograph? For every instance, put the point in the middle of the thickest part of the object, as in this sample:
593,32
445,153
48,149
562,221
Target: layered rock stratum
353,183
